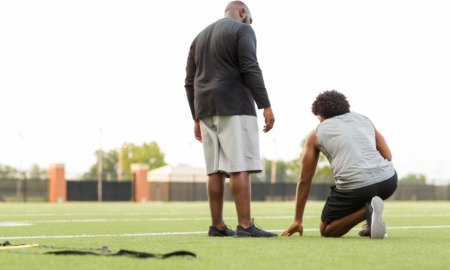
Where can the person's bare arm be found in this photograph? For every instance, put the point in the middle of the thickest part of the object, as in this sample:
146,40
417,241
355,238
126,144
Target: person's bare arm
308,169
382,146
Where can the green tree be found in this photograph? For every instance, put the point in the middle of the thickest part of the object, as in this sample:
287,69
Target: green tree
285,171
37,173
109,168
323,172
146,154
414,179
121,159
266,175
281,171
7,172
324,175
293,170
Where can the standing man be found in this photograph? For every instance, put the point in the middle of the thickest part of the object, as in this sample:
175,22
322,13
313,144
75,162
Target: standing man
223,83
360,160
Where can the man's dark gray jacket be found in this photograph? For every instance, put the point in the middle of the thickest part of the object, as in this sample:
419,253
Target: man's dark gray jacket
223,76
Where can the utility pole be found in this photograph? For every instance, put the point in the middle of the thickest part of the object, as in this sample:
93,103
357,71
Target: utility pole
273,175
20,176
119,164
99,169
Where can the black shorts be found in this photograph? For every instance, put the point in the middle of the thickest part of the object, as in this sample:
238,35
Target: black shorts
341,203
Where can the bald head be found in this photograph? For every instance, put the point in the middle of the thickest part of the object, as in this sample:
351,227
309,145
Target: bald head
239,11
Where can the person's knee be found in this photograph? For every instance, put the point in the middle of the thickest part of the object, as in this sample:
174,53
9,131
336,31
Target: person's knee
327,234
327,231
323,227
323,231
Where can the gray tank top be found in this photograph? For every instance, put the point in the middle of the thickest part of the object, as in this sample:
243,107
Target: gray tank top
348,142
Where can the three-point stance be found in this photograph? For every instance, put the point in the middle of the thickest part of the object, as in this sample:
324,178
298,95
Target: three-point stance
360,160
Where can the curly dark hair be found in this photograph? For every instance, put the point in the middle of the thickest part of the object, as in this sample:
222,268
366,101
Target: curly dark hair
330,103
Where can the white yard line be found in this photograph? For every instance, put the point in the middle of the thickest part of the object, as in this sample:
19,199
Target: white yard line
7,223
103,220
182,233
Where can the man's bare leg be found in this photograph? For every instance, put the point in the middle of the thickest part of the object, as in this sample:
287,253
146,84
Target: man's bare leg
215,188
240,188
341,226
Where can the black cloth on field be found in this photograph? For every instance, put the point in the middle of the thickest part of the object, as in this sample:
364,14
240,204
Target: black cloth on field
124,252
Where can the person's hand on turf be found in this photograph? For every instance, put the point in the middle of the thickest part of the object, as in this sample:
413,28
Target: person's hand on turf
295,227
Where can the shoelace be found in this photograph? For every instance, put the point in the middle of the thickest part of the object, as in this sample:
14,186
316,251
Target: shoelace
256,226
365,231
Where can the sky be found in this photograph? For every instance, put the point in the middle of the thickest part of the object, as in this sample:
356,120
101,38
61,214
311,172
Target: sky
76,76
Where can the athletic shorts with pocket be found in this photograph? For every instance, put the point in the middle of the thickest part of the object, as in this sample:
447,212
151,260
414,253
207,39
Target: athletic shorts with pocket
231,144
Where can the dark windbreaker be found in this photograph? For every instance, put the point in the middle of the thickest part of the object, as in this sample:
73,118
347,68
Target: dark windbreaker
222,73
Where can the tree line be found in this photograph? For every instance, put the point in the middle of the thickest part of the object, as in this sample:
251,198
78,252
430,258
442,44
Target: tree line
115,165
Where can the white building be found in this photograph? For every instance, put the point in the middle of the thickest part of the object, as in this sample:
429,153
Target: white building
180,173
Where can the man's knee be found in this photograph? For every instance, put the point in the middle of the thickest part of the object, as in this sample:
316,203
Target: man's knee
327,234
323,226
326,231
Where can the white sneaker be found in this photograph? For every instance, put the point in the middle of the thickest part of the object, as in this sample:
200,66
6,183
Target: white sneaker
377,227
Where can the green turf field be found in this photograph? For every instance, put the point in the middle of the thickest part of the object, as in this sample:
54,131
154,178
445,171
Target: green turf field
418,237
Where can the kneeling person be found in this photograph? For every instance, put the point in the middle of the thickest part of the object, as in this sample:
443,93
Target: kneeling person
360,160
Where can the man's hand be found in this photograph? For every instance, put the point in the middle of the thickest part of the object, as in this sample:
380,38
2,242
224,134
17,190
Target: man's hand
269,119
197,132
295,227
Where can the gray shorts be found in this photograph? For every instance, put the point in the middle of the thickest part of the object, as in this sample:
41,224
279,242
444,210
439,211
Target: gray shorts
231,144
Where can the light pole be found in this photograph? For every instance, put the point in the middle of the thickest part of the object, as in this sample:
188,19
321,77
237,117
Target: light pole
99,169
19,169
273,175
119,164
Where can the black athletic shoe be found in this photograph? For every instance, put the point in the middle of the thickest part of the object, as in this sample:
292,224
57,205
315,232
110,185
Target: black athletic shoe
253,231
214,232
365,232
368,215
368,212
